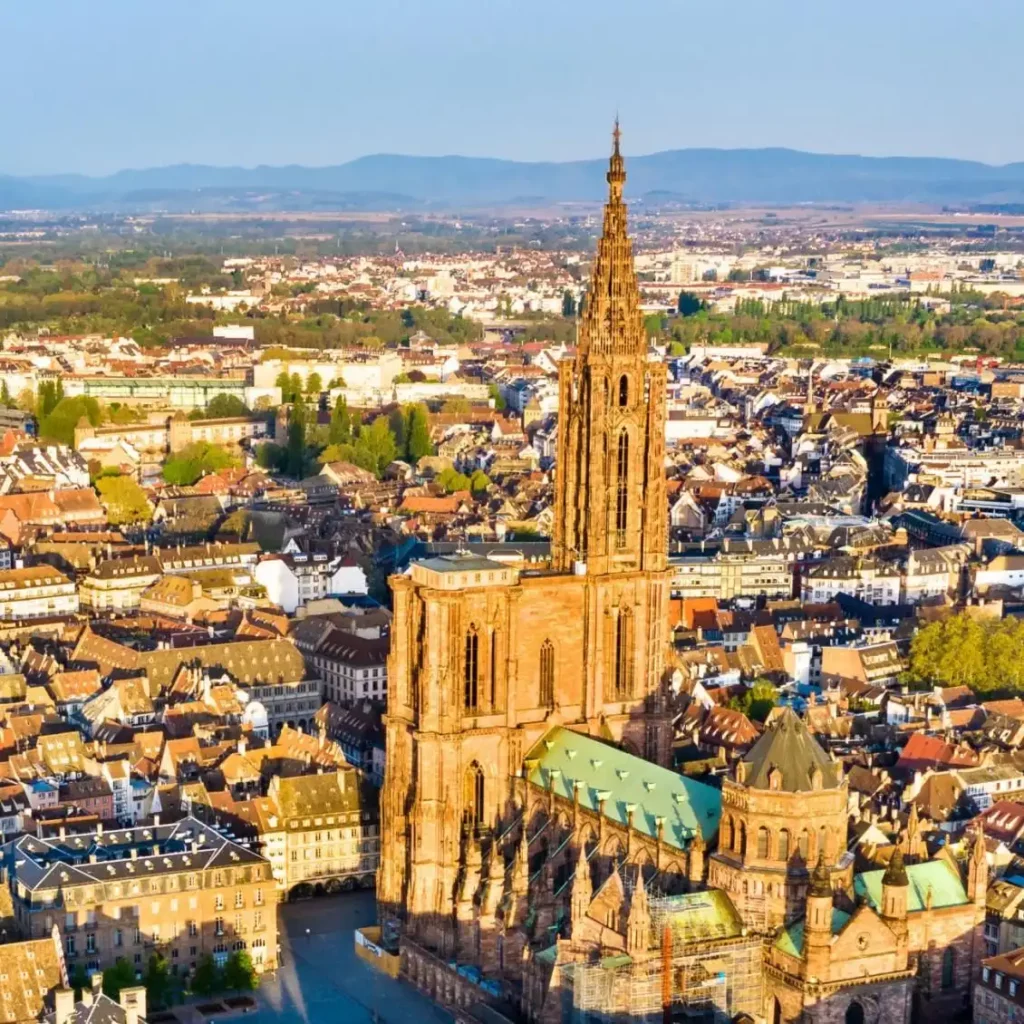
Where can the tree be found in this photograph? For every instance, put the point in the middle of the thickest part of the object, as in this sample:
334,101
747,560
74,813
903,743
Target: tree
397,421
314,385
207,978
194,461
239,973
284,382
689,304
479,482
568,304
653,324
269,456
452,480
121,975
125,501
79,980
157,981
496,396
295,453
456,406
222,406
379,444
47,398
760,699
340,430
5,395
60,424
418,433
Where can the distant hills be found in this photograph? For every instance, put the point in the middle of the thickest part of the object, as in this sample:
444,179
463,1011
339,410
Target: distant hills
394,182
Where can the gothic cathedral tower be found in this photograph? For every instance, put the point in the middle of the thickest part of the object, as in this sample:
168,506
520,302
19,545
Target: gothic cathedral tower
610,506
485,659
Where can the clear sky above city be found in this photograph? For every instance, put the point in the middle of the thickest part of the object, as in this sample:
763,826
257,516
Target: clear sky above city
96,87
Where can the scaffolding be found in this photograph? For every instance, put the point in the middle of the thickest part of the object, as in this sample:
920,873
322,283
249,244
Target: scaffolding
703,966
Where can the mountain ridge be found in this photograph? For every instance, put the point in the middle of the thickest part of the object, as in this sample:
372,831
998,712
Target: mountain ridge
776,175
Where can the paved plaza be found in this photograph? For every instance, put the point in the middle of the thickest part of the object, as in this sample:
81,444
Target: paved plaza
321,979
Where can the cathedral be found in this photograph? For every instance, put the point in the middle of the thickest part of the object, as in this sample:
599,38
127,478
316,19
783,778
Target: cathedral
538,852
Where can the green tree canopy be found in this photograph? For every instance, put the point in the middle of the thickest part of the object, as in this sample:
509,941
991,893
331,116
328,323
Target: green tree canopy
207,978
120,975
987,656
418,433
222,406
479,482
60,424
194,461
125,501
452,480
239,973
314,385
340,430
158,982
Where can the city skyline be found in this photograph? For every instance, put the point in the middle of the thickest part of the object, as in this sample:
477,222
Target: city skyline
239,86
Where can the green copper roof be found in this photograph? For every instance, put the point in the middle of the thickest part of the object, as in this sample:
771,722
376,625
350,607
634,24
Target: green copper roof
791,940
564,757
699,916
944,882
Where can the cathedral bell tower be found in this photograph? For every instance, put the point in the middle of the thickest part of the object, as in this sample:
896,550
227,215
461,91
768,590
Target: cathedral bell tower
611,513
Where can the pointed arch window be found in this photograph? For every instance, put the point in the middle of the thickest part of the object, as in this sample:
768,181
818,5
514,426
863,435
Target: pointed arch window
622,490
784,845
762,843
623,391
471,670
473,796
624,654
948,968
547,674
495,662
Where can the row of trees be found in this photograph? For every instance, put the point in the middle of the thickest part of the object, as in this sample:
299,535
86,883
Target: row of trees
404,434
987,656
164,987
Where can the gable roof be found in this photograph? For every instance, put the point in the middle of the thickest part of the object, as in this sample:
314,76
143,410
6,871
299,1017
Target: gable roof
687,807
934,876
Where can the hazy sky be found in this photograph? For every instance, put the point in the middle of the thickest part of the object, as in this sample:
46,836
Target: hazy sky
108,84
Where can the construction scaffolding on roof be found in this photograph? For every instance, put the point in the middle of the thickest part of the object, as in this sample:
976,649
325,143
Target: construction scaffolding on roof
702,965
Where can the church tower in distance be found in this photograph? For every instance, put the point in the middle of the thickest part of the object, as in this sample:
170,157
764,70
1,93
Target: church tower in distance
487,658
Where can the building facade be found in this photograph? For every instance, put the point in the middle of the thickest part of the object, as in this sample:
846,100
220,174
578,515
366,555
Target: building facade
485,658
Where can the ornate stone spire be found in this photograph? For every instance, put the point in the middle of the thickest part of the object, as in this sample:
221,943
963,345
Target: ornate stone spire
895,872
821,878
612,323
582,891
638,925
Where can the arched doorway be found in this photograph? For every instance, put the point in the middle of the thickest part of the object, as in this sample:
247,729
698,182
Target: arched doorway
854,1013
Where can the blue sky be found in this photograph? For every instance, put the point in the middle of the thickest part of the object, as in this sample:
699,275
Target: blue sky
103,85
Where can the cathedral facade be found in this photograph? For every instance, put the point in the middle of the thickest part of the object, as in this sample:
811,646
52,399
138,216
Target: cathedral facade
533,833
485,659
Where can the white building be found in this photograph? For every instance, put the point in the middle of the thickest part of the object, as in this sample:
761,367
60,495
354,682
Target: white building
293,580
36,593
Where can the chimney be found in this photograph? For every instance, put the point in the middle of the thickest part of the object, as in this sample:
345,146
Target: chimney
133,1002
64,1005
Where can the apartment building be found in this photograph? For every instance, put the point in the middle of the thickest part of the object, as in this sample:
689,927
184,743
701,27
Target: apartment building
353,668
116,584
36,593
183,890
319,830
865,578
738,568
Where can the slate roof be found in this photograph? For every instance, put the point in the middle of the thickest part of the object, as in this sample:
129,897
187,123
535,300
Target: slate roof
563,757
788,746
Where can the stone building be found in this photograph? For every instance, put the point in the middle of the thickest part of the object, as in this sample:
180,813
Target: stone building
182,890
536,848
485,658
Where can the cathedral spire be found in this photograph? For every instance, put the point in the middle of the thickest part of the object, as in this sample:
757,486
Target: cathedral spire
612,323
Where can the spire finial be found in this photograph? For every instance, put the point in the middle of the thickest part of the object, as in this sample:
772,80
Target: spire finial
616,134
